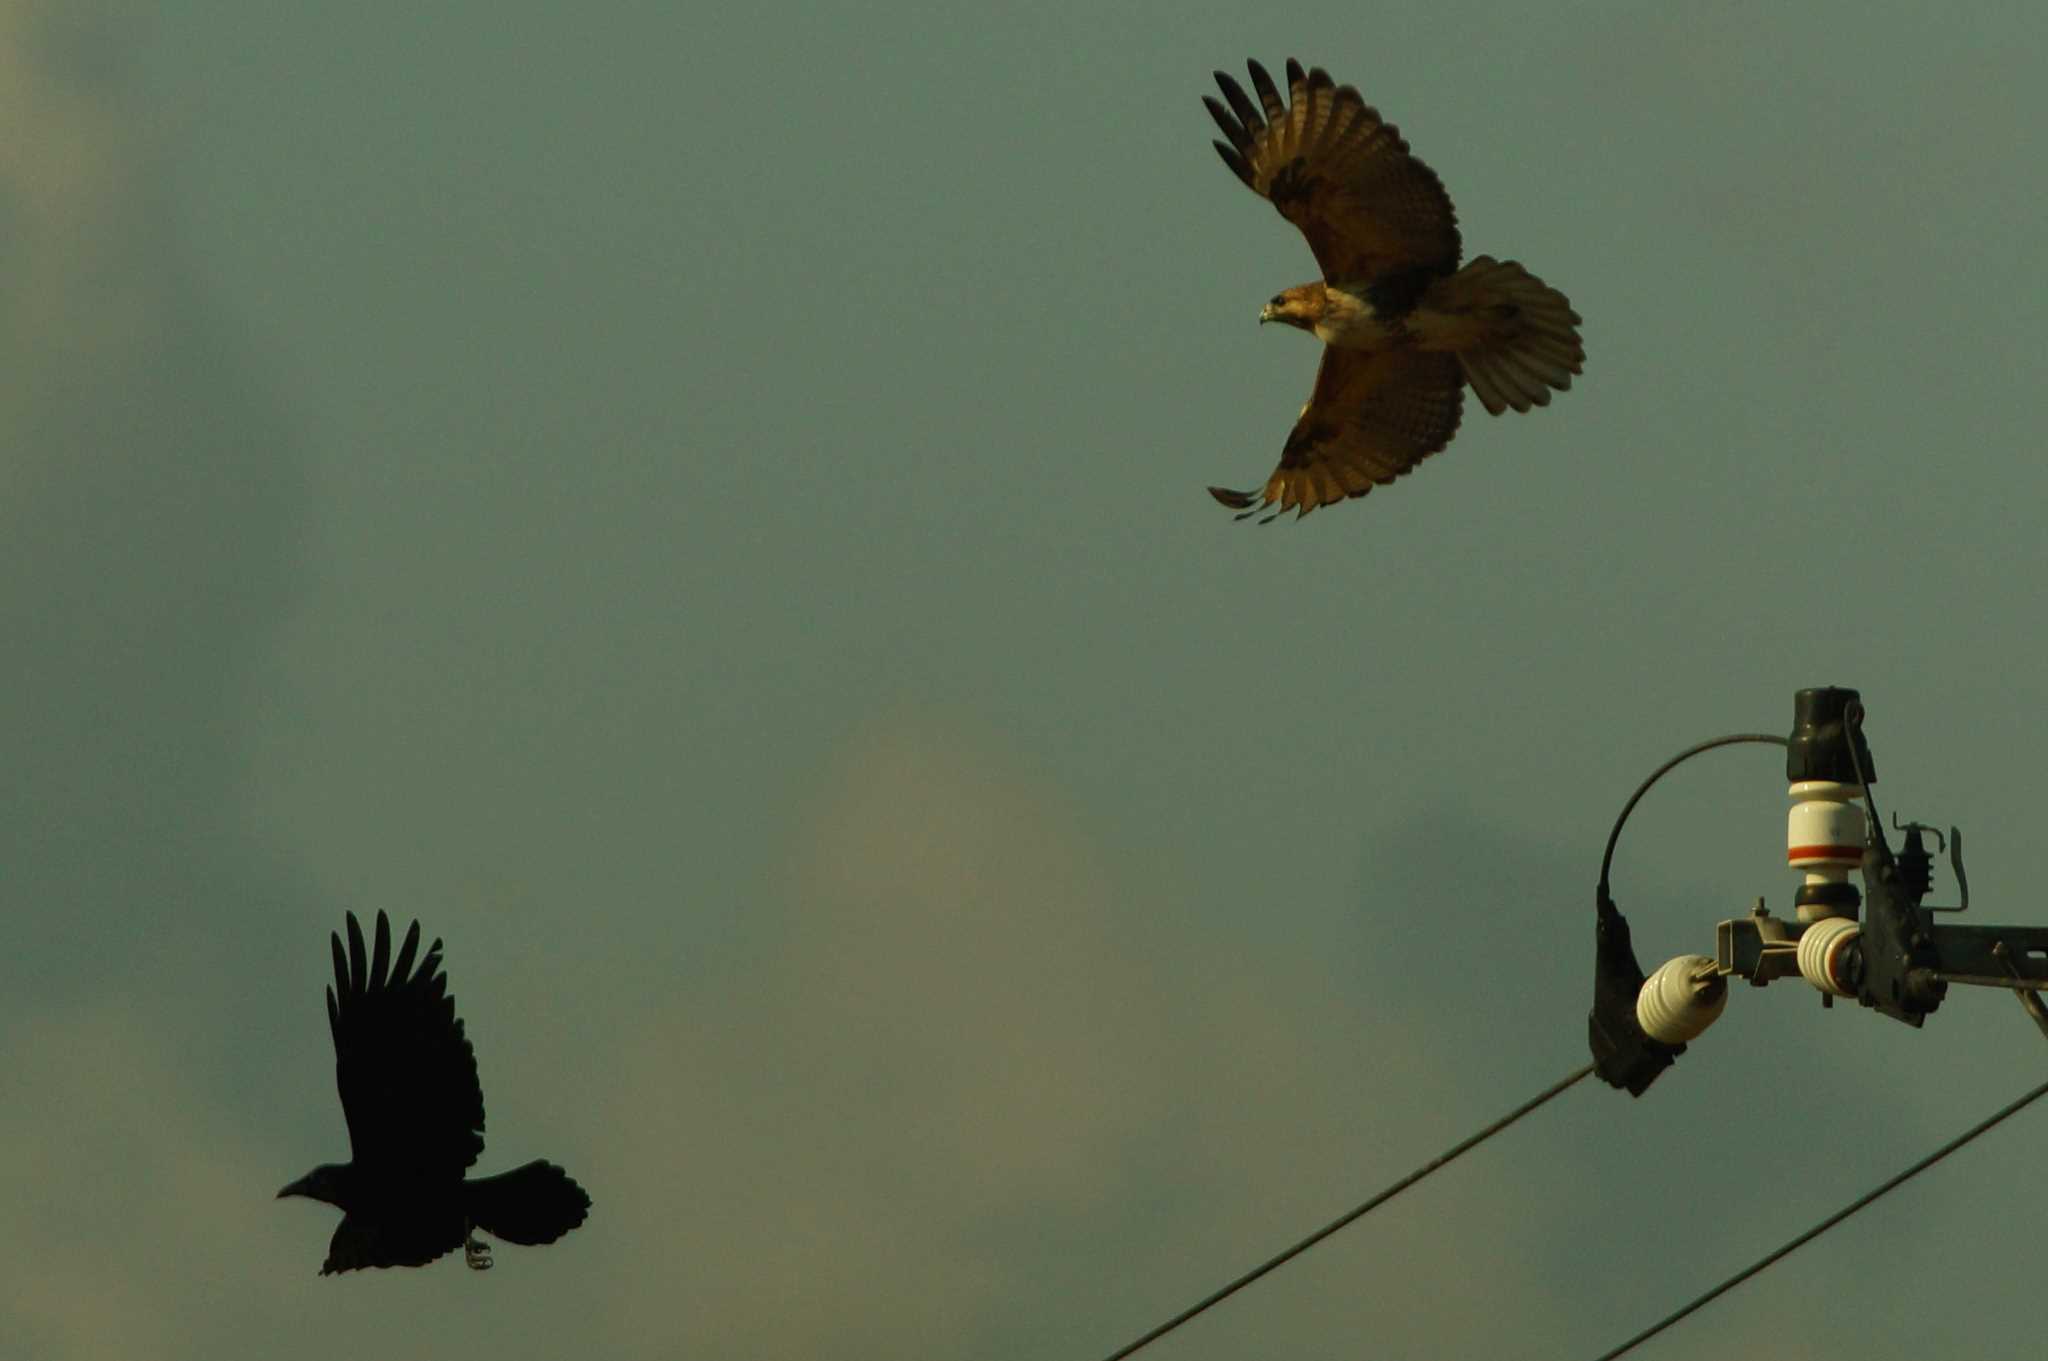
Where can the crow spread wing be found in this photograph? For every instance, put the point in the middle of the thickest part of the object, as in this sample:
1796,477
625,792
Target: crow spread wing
1333,168
362,1241
1374,416
407,1074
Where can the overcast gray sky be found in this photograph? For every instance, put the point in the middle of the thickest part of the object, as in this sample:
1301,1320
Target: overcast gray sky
702,505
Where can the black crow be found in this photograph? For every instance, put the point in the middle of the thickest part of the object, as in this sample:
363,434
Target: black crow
415,1114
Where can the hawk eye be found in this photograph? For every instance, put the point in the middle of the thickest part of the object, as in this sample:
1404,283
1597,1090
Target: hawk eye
1279,300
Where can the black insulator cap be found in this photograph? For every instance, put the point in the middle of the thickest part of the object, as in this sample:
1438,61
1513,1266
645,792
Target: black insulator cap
1623,1055
1819,748
1839,898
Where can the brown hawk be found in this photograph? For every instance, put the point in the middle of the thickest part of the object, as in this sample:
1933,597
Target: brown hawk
1404,329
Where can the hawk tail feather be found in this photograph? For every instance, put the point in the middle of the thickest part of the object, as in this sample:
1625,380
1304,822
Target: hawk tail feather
1529,343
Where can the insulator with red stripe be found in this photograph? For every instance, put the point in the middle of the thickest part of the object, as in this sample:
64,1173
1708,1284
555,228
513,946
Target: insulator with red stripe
1824,841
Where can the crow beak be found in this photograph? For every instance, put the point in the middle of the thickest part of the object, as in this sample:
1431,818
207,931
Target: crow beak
297,1188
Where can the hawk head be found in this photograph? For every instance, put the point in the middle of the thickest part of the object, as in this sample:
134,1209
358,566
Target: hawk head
1301,306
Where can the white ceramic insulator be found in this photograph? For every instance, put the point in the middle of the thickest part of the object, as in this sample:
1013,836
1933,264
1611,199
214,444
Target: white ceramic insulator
1824,829
1681,999
1820,953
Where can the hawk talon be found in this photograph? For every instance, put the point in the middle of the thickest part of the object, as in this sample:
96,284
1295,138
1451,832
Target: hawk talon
476,1253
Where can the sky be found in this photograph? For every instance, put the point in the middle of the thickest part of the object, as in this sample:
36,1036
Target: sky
702,507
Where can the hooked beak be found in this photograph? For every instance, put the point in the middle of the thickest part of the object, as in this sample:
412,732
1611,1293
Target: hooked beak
1268,313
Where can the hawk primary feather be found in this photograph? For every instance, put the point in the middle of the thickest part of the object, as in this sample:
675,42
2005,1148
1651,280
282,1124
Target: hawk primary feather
1404,329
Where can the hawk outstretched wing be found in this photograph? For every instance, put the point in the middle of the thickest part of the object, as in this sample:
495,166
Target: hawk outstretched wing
1373,416
1336,170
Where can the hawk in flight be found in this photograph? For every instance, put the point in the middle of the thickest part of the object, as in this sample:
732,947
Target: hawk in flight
1404,329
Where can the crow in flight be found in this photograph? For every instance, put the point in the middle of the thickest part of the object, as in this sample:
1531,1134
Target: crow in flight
415,1116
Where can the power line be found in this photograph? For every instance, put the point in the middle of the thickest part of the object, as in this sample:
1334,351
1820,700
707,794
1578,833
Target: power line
1607,859
1320,1234
1837,1217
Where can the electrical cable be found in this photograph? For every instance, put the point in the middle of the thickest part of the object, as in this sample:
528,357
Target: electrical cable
1852,724
1817,1230
1386,1195
1557,1088
1607,860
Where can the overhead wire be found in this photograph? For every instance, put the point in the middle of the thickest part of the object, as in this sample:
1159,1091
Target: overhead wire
1852,720
1614,836
1279,1259
1473,1141
1818,1229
